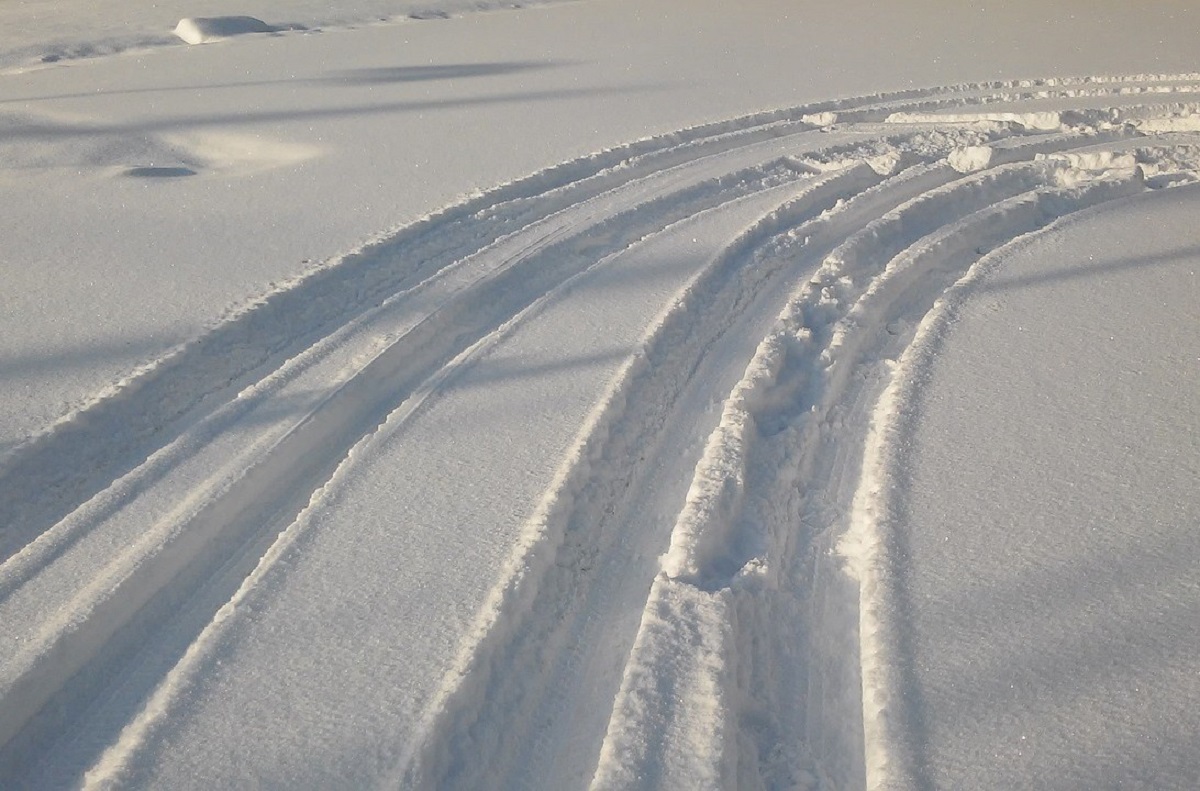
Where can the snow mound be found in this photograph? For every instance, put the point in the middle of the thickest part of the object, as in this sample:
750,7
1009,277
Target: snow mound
201,30
969,159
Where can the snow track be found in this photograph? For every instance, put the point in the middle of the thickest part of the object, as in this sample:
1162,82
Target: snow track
652,591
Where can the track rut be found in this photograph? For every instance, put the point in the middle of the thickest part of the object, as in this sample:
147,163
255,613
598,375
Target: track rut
659,586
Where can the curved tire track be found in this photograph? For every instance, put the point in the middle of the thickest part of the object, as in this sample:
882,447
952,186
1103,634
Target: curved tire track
228,522
283,390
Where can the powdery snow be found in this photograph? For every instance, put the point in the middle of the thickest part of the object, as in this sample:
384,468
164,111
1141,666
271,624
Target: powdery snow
598,394
1043,518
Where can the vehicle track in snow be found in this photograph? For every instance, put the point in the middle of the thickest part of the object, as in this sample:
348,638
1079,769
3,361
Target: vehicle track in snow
833,229
225,519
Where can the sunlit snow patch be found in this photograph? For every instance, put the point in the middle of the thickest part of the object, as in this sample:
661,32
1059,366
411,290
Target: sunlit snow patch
229,152
201,30
969,159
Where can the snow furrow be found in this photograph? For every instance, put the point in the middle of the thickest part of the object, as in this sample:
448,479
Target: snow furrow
549,621
227,522
432,321
601,526
214,525
713,672
701,553
127,423
427,338
694,598
139,415
111,766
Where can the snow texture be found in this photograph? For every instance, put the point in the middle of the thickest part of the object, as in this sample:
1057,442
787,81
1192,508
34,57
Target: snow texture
598,394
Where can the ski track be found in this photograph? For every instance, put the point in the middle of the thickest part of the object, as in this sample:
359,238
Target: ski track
691,601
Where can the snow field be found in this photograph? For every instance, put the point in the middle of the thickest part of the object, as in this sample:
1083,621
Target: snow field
995,688
739,294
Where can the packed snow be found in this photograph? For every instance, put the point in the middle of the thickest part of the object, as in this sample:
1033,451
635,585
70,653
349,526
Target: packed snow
599,394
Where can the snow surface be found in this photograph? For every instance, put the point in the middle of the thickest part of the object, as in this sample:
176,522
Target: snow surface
1052,634
598,393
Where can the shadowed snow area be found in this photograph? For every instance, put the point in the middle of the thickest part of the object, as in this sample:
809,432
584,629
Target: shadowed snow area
600,394
1047,512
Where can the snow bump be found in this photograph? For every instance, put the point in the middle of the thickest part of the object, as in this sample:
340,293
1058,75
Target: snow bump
202,30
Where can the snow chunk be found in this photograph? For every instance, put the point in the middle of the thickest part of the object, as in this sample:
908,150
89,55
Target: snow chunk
820,119
201,30
1096,160
1085,166
970,159
885,164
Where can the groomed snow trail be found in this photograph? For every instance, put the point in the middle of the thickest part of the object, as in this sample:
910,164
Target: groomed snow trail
543,490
